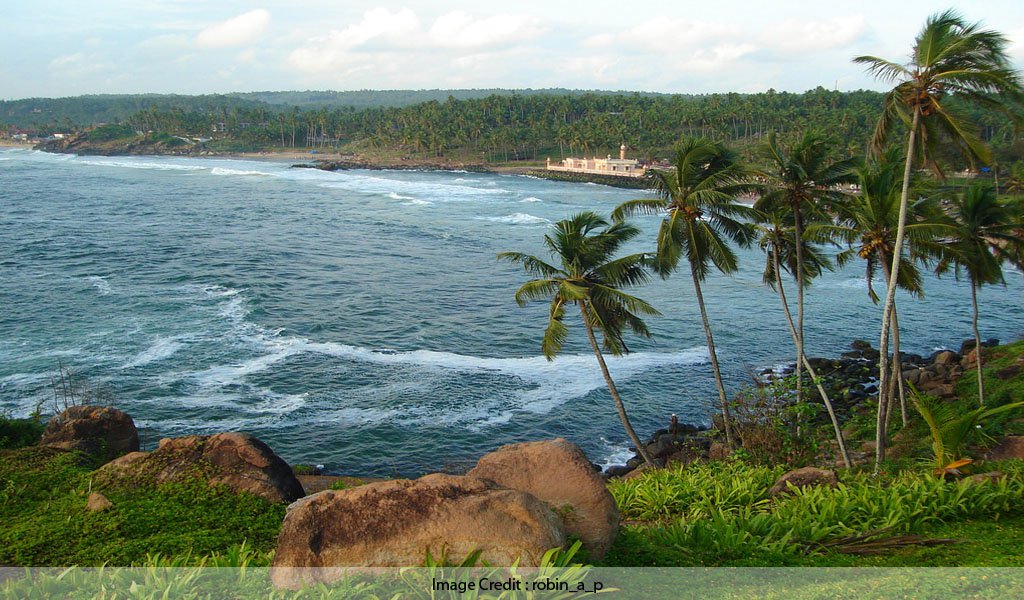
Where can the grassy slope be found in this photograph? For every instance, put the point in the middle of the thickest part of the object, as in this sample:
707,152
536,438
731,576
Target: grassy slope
43,496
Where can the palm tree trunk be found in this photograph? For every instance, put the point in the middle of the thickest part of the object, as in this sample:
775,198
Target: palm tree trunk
800,358
810,370
619,407
890,294
977,344
897,366
726,418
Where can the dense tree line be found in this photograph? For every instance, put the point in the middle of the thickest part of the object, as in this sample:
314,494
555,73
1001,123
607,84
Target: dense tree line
531,125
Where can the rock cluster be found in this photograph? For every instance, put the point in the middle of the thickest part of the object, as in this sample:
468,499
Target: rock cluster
515,504
395,523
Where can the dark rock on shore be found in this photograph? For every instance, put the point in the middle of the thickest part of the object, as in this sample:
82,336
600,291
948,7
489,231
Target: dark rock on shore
100,431
353,162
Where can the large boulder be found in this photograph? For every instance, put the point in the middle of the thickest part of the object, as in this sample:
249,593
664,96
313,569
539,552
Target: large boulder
101,431
801,478
238,461
558,472
1010,447
395,523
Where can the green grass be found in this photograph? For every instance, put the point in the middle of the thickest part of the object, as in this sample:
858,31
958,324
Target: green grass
997,391
721,514
43,494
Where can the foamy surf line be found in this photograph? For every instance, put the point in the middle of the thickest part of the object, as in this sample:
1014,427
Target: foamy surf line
535,385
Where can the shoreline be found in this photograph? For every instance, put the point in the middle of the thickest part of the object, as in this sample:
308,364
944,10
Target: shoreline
336,161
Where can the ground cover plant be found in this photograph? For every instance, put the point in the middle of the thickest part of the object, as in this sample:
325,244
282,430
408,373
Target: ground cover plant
721,513
43,495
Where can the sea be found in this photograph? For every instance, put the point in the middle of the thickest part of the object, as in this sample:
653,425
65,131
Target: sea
360,320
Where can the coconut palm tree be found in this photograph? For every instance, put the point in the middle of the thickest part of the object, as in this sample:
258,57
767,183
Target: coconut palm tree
697,197
592,280
868,224
804,180
950,57
777,242
986,234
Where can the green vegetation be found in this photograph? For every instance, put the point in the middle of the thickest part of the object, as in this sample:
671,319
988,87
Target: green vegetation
722,515
43,495
16,433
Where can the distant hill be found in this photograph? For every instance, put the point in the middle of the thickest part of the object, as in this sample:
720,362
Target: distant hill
401,98
52,114
79,111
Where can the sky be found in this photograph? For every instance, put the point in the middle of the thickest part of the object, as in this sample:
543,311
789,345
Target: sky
72,47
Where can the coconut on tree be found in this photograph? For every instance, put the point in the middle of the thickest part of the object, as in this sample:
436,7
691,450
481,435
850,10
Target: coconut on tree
589,278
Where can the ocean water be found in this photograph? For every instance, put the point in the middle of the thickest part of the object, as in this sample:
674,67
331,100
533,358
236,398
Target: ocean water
360,319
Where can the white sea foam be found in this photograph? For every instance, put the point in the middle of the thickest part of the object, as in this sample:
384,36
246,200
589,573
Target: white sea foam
531,199
536,385
161,349
396,196
101,284
133,164
224,171
614,454
438,192
517,219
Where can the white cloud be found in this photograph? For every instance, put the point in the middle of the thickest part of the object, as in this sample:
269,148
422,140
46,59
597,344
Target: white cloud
235,31
80,65
375,39
796,36
665,36
460,30
1016,47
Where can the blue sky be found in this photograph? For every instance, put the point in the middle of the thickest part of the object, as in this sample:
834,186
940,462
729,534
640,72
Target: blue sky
68,48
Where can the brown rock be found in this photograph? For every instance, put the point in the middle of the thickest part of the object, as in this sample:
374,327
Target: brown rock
238,461
990,477
969,360
1010,447
101,431
800,478
1009,372
98,502
558,473
946,358
719,451
395,523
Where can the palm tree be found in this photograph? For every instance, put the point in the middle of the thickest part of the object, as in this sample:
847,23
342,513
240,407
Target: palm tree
949,57
777,242
869,222
591,279
805,181
697,197
986,234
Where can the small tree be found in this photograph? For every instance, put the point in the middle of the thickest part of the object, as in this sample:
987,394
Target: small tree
986,234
